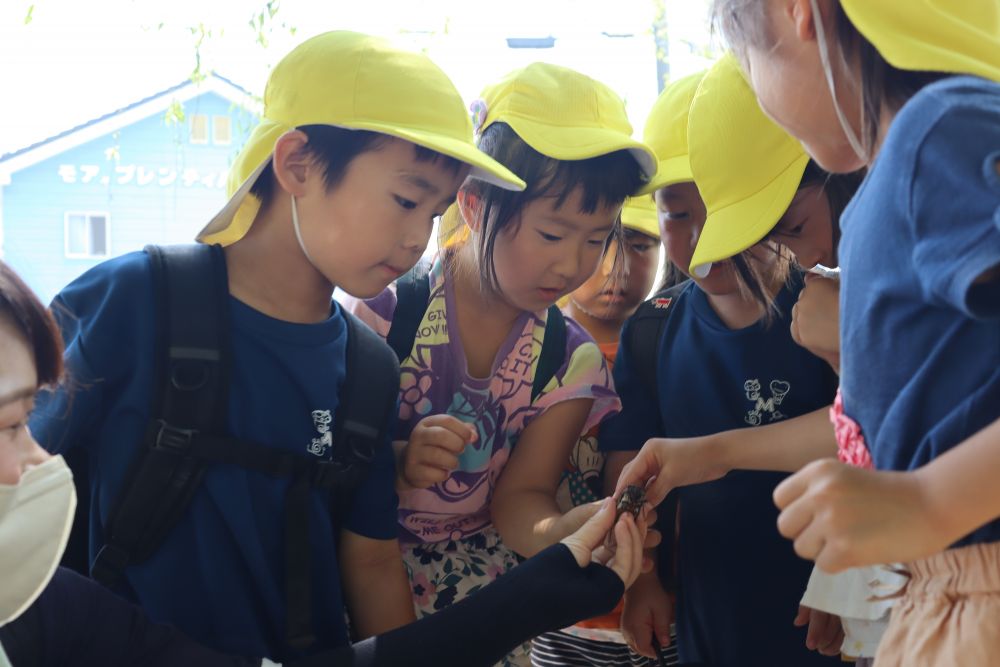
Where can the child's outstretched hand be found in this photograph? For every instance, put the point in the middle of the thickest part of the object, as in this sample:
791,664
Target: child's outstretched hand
648,612
670,463
825,634
432,452
841,516
587,543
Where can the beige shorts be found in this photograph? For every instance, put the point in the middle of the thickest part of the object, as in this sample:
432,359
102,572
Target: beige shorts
949,614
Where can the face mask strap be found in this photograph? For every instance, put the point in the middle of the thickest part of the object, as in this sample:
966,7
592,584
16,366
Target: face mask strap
824,55
298,233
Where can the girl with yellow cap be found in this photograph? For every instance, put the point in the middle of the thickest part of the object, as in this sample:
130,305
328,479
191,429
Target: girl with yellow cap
480,457
724,360
909,90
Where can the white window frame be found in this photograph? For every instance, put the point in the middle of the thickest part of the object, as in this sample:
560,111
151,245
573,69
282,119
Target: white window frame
89,215
215,125
208,129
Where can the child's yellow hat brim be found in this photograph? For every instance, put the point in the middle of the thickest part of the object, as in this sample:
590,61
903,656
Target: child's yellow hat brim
959,36
746,167
357,82
639,213
666,132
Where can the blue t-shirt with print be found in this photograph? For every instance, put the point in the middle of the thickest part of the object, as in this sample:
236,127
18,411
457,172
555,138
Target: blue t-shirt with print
920,339
739,581
219,574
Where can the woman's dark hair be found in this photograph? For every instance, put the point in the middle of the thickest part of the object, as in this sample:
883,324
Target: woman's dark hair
20,306
335,148
604,181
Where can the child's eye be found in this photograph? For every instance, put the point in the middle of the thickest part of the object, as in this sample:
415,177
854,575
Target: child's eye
641,247
550,237
597,242
14,429
405,203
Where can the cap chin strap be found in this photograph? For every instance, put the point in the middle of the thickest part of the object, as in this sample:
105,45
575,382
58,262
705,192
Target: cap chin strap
824,56
702,270
298,233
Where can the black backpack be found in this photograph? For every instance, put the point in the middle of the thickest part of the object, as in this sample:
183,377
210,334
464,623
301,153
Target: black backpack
187,429
413,293
646,328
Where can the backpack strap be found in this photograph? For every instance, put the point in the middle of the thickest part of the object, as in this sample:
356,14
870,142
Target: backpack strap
367,407
191,394
646,330
553,352
187,430
413,294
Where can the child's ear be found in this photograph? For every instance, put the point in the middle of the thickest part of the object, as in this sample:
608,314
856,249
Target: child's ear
292,163
470,206
803,19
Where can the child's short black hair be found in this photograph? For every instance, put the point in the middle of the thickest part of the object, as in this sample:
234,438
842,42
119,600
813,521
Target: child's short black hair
605,180
335,148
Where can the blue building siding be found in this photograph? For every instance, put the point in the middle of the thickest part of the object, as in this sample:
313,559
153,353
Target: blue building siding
148,178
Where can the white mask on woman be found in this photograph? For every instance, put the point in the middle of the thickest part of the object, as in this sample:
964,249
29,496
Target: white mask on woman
36,515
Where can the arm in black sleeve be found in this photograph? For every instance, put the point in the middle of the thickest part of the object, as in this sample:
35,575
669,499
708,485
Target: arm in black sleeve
77,622
547,592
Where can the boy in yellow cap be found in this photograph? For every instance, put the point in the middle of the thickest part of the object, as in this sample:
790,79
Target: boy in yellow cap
910,90
496,386
601,305
724,359
288,515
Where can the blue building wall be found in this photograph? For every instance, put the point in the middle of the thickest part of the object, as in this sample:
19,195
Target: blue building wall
152,182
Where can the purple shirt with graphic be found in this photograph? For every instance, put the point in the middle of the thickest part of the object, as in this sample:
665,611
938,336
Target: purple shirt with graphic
435,380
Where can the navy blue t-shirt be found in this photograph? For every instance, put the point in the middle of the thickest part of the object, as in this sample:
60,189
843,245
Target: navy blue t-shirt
739,581
219,574
920,341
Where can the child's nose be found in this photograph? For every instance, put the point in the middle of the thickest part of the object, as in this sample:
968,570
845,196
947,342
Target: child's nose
610,257
568,265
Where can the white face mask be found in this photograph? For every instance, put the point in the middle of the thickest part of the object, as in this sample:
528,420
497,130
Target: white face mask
824,56
36,515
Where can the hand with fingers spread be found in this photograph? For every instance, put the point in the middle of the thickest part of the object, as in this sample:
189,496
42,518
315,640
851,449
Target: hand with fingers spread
432,452
816,319
648,613
587,544
840,516
825,633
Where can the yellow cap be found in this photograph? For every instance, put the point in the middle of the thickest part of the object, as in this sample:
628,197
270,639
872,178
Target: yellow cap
960,36
639,213
747,169
358,82
562,114
666,132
